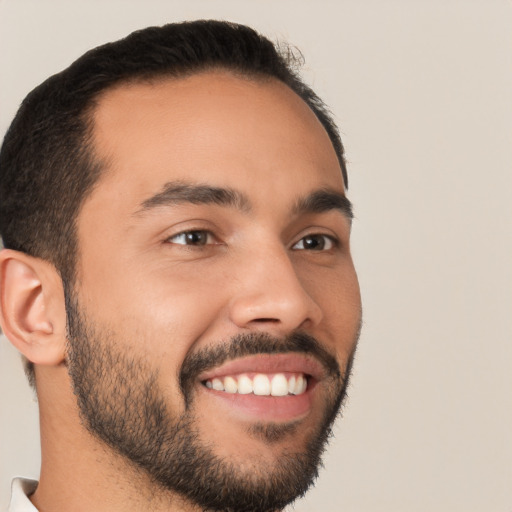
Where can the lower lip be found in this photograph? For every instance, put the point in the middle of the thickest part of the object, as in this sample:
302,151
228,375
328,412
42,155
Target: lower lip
265,408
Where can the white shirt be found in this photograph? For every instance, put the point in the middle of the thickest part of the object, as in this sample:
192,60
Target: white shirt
21,488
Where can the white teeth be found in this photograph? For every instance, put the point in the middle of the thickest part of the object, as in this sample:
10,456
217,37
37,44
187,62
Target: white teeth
304,385
261,385
230,385
244,385
300,385
279,385
217,385
291,385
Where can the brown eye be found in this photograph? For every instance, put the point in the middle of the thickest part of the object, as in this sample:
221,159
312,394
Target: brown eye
314,243
196,237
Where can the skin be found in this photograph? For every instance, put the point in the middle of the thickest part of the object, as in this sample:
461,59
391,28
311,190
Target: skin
165,299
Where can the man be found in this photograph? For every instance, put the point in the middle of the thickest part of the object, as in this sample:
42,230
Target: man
177,274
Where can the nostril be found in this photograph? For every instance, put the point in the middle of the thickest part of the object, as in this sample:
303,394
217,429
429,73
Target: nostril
265,320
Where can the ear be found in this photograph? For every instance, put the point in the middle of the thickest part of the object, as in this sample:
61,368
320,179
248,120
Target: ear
32,308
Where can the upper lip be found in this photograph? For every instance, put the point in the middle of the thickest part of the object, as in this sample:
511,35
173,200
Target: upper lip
268,363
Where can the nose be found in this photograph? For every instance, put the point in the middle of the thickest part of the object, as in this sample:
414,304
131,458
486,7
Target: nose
270,296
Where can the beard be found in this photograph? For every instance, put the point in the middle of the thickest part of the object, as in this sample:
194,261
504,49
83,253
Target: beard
121,403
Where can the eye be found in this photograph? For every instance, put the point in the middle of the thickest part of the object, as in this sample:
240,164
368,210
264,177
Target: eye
197,237
315,243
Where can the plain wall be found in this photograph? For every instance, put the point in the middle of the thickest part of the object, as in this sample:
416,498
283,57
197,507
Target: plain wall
422,92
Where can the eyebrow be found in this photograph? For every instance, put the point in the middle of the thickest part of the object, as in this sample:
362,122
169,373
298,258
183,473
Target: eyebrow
175,193
324,200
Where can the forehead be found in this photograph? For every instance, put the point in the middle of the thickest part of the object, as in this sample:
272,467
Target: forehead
211,128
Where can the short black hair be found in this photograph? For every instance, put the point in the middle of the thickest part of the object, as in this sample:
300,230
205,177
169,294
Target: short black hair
47,161
47,164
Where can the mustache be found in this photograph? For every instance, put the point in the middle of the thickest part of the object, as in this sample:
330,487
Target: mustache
249,344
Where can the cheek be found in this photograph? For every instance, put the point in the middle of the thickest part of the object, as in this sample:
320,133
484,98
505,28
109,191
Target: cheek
157,319
337,293
159,308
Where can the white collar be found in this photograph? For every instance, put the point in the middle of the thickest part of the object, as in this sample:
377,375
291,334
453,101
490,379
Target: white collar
21,488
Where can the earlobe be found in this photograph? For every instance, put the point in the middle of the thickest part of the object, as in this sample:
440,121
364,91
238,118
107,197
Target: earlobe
32,313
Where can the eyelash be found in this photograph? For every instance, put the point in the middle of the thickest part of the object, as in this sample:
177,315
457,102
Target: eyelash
327,240
188,235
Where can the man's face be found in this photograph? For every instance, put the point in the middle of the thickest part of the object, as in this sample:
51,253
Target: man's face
214,269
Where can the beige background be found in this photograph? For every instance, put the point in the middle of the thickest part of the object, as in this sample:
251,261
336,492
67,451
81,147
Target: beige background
422,91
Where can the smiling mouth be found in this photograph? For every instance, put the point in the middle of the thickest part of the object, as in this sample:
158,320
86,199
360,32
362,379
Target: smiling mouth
260,384
275,388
